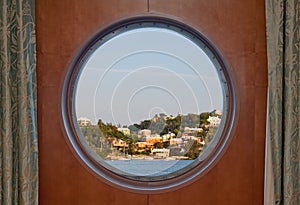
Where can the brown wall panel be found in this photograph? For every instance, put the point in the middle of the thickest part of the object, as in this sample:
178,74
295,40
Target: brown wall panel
62,27
237,28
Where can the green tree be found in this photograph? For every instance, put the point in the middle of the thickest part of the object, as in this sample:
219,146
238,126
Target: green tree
145,124
134,128
171,125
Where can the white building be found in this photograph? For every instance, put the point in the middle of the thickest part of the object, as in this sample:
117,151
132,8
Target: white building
176,141
214,121
167,137
218,112
119,143
189,137
163,153
83,121
145,132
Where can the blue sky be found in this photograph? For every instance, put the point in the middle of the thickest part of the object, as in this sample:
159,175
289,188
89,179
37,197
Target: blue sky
143,72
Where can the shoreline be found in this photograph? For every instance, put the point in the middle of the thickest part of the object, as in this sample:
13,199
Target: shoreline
146,157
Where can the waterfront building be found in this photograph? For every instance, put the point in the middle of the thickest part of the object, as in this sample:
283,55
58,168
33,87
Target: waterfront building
118,143
161,153
152,140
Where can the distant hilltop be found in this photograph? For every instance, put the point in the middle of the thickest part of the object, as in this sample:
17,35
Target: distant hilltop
185,119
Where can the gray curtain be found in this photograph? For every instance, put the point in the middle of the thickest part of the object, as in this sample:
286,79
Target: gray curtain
18,126
283,40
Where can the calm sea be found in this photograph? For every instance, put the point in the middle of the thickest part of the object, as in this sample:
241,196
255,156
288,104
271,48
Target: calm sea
149,167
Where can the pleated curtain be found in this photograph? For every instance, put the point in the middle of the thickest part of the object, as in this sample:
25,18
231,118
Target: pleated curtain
283,44
18,123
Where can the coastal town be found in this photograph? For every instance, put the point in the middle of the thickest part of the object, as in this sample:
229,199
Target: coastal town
180,137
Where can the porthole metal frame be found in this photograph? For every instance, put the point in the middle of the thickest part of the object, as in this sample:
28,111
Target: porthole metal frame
147,184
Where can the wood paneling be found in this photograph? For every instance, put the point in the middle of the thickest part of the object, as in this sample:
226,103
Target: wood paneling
237,29
62,27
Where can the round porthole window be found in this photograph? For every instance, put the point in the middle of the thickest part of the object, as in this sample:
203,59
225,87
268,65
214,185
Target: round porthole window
148,104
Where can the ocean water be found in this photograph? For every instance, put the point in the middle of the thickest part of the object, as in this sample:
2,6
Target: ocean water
149,167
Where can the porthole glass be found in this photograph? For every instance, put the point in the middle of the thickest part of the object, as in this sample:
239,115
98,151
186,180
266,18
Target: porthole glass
148,100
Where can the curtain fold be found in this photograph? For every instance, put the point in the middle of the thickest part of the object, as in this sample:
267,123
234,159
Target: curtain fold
283,44
18,130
